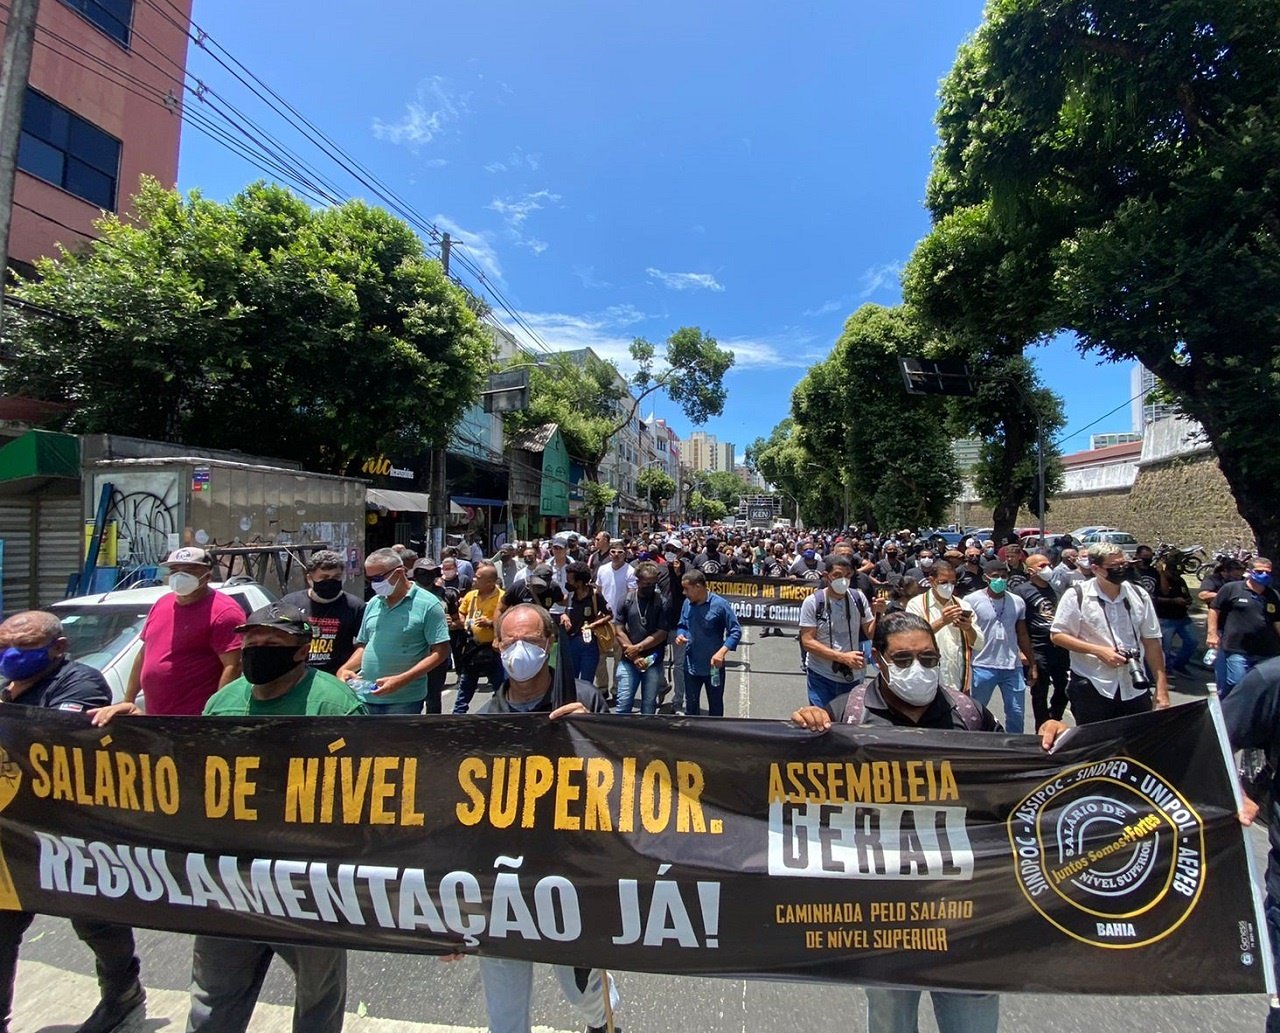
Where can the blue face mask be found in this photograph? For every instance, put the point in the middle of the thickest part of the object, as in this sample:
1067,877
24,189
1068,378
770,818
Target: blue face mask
20,664
1260,577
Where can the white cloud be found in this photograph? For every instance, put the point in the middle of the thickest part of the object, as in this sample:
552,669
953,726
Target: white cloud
609,334
431,111
519,160
516,211
878,276
436,163
827,307
685,281
478,246
587,274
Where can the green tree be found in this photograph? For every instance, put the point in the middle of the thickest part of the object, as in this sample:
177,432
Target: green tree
596,499
878,452
716,510
656,485
726,486
782,461
1111,169
590,400
263,324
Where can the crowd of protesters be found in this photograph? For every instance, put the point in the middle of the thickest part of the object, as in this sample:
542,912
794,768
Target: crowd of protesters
902,629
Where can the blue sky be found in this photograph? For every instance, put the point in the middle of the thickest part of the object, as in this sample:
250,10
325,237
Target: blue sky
756,169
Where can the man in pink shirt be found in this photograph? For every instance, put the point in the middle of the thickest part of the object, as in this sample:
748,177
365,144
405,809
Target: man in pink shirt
190,648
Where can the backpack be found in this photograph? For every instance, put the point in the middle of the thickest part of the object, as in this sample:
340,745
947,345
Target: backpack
855,707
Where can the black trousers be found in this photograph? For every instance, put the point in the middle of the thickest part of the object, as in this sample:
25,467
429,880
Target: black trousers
113,950
1089,705
1054,666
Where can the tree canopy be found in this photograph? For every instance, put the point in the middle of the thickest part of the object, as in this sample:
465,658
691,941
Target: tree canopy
589,398
322,336
657,486
1113,169
859,436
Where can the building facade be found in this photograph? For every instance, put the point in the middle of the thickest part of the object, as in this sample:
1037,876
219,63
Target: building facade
102,110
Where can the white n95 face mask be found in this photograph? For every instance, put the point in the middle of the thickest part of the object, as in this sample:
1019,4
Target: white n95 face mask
915,686
523,660
840,585
945,589
183,583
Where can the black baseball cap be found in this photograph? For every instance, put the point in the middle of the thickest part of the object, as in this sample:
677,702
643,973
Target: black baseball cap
284,616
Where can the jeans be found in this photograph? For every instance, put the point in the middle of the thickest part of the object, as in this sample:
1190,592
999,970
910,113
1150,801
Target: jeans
508,991
226,976
489,665
1234,666
896,1011
113,951
822,690
1185,629
1012,691
693,686
389,709
583,657
649,682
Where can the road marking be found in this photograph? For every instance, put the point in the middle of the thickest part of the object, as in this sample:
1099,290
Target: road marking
48,996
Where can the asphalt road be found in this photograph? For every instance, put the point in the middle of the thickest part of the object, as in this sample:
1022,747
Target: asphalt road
403,994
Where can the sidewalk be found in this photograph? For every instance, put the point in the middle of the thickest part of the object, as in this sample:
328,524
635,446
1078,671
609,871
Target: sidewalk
53,1000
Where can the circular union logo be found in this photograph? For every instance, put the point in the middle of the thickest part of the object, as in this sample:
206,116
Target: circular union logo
1109,853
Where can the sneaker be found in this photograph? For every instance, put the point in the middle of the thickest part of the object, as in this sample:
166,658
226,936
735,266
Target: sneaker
603,1029
111,1013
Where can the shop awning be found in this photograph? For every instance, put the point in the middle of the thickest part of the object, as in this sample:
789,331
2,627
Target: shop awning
474,500
399,501
40,460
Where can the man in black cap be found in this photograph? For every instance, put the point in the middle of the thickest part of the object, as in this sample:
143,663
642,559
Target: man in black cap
37,672
426,574
226,975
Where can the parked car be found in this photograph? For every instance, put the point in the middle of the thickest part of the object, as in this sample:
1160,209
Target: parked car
103,629
1123,539
950,539
1081,532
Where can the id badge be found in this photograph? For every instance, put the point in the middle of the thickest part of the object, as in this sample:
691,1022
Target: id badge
586,636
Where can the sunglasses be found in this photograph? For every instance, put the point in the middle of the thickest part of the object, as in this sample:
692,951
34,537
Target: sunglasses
377,579
904,660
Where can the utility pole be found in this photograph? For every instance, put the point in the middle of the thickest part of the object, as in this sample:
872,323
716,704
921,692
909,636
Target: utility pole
446,245
15,69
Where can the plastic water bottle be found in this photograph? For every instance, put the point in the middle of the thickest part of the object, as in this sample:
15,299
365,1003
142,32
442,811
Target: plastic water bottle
362,687
1210,657
716,676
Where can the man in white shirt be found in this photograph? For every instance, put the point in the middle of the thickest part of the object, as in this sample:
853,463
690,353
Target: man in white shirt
1110,627
615,580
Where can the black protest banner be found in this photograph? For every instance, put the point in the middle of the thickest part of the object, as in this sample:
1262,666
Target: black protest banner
950,859
770,601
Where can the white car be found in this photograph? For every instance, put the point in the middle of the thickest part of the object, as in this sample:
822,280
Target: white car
1126,541
103,629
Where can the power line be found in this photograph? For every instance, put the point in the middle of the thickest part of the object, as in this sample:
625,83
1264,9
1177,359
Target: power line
1122,405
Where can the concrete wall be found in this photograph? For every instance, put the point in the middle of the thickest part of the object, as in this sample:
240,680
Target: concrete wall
1184,500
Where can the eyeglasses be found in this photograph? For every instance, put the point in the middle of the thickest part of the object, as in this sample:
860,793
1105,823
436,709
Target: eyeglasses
904,660
377,579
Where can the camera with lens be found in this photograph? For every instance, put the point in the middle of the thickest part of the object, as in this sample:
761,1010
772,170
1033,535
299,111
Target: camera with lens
842,669
1134,665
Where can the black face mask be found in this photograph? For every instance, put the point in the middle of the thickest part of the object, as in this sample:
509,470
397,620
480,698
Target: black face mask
327,591
645,591
428,582
1115,575
264,664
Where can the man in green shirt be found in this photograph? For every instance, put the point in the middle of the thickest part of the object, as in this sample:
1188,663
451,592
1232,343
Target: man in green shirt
278,681
403,637
226,975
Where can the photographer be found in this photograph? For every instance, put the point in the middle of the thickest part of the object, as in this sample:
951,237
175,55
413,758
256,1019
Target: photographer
834,621
1109,626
